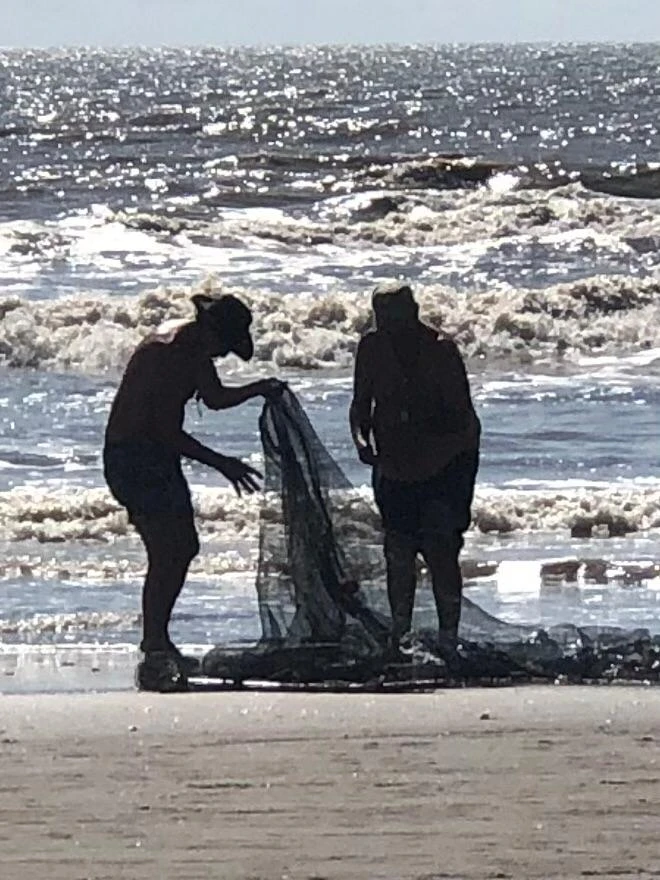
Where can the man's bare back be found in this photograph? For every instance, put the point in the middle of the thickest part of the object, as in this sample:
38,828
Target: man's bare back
160,379
163,374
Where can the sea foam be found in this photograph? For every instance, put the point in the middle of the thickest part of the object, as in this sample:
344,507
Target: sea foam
94,333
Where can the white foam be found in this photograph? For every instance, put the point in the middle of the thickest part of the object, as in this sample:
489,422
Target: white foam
321,330
504,182
115,238
613,509
43,624
638,359
214,129
56,514
435,235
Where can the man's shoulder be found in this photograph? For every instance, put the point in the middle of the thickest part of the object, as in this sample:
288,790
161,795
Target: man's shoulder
166,339
446,344
165,354
172,332
368,341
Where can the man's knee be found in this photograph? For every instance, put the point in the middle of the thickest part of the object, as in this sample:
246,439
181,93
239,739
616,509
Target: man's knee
188,543
182,546
169,538
400,549
400,555
193,547
441,550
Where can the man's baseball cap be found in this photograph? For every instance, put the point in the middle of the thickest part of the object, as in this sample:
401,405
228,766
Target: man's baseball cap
230,318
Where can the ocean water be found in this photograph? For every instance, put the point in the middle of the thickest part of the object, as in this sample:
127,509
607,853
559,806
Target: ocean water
513,185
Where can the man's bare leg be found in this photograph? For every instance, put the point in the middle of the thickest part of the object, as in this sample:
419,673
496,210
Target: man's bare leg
171,544
441,555
400,556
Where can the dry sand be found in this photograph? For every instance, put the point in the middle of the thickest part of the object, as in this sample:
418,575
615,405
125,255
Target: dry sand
553,782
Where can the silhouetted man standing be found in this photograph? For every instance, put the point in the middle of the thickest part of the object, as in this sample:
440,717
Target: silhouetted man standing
413,421
144,444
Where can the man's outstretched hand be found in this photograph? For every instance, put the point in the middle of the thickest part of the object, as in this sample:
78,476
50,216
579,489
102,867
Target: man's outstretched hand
242,477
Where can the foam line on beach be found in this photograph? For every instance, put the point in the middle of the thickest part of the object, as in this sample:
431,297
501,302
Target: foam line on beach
76,513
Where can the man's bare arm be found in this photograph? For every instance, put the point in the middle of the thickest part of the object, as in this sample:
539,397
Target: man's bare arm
458,401
362,404
242,476
217,396
458,396
186,445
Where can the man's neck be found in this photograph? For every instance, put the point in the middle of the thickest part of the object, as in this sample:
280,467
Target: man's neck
189,337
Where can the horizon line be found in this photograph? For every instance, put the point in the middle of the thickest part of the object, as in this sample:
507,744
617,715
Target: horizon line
320,45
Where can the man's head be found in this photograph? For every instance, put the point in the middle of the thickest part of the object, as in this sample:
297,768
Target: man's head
394,306
225,325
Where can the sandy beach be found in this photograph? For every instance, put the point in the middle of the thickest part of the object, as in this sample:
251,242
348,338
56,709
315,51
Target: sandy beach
536,782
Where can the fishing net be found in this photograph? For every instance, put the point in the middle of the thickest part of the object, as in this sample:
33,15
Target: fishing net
323,603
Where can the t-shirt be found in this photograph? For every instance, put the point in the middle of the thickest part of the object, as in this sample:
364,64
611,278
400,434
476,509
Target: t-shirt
420,394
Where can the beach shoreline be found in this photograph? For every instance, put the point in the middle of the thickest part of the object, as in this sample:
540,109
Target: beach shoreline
518,782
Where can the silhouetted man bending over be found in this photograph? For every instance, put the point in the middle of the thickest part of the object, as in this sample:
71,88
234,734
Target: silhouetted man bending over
413,421
144,443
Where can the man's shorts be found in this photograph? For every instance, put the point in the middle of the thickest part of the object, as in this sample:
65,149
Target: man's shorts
146,478
439,506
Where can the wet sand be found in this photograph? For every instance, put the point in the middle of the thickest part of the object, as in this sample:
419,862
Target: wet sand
534,782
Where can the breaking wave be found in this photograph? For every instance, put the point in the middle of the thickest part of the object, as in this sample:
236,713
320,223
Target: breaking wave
96,333
388,211
459,172
58,515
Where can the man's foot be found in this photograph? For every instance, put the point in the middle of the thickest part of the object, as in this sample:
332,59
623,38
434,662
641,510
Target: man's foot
448,646
160,672
187,664
393,652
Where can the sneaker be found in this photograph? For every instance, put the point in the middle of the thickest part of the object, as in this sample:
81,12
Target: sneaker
160,672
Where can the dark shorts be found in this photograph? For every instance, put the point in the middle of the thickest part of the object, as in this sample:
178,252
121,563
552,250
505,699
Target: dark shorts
146,478
440,506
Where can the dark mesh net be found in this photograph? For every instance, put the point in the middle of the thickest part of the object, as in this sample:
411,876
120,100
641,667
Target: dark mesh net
323,602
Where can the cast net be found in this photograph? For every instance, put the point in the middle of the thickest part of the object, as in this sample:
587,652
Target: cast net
323,603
